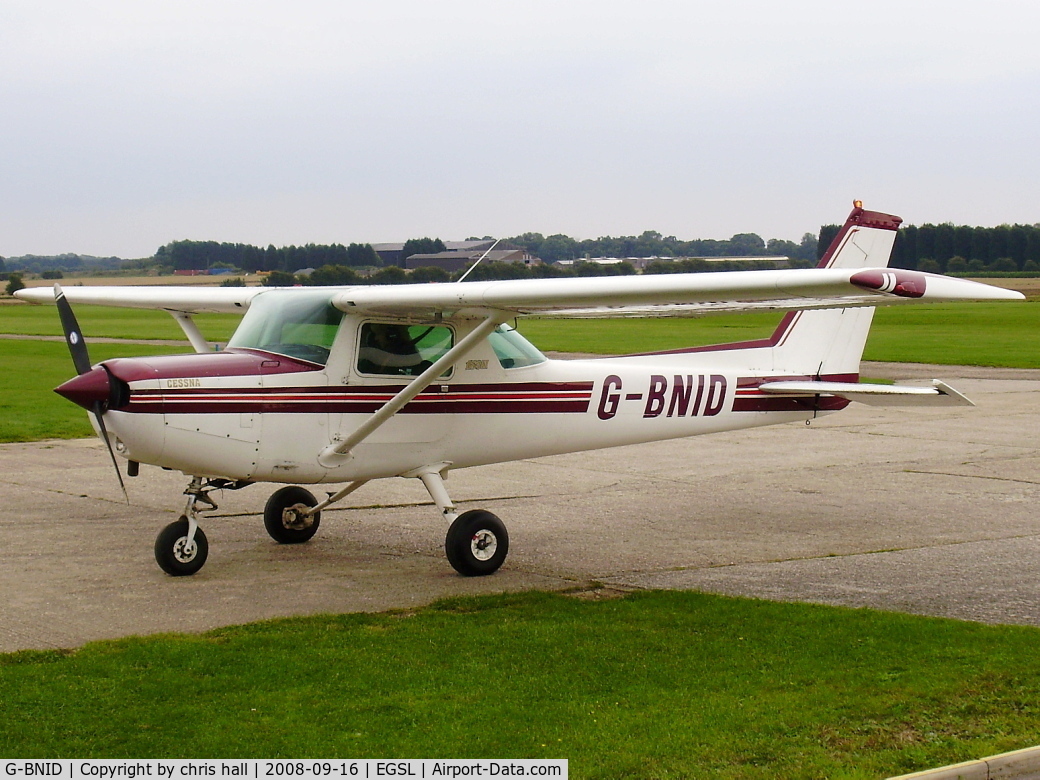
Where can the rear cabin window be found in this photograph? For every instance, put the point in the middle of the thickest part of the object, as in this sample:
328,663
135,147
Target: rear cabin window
298,324
393,349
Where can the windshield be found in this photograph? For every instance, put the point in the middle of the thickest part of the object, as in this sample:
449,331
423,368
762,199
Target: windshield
513,350
297,323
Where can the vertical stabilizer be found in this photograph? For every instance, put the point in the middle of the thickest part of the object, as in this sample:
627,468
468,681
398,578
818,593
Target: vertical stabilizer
821,343
829,342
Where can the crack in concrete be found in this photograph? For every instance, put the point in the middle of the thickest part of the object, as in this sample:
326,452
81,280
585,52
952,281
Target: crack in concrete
971,476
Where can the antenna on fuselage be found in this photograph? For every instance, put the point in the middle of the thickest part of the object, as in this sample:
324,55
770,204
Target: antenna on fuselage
488,252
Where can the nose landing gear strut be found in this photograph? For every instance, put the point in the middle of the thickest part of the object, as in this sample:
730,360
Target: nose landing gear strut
181,548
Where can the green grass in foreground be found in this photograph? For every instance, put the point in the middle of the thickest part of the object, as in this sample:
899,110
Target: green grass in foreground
29,409
656,685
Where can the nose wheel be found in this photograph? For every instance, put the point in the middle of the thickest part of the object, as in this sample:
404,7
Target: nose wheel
178,552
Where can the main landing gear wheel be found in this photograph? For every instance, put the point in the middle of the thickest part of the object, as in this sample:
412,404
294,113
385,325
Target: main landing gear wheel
477,543
284,522
173,553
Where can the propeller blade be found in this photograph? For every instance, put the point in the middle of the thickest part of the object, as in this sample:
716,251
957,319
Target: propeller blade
99,415
81,360
73,335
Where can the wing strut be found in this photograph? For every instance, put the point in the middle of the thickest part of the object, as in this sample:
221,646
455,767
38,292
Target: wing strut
335,453
191,331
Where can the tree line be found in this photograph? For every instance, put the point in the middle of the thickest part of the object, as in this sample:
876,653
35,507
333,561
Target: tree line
650,243
949,248
199,255
944,248
37,264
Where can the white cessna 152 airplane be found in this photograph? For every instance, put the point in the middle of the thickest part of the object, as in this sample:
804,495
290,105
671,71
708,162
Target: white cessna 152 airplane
345,385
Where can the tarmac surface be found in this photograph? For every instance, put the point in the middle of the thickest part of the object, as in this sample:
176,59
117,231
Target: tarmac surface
929,511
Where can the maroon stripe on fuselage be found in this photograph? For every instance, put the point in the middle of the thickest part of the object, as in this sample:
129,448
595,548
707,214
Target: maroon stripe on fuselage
780,403
749,399
526,397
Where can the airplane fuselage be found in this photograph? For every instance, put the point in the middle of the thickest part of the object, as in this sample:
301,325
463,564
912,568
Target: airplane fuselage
253,415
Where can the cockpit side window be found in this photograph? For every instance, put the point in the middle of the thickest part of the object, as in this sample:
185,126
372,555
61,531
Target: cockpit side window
394,349
298,324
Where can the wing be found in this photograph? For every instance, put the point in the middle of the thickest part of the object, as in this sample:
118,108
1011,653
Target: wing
173,298
664,295
667,294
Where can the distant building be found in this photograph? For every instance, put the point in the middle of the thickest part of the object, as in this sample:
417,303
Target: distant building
459,259
391,253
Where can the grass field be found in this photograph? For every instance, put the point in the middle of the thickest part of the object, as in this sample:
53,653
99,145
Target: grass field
29,411
982,334
655,685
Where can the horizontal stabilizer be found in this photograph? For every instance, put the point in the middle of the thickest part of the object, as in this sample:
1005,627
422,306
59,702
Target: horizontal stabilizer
937,394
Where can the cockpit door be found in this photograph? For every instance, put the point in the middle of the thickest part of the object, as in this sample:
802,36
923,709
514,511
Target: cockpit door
386,356
295,411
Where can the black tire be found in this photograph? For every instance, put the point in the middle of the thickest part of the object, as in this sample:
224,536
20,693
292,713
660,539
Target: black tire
274,515
477,543
170,551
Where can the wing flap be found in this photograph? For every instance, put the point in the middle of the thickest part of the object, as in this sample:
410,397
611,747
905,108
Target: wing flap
938,393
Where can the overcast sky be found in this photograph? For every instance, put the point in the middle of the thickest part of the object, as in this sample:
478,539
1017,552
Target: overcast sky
126,125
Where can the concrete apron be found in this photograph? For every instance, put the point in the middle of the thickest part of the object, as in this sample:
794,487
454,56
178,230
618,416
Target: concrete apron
923,511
